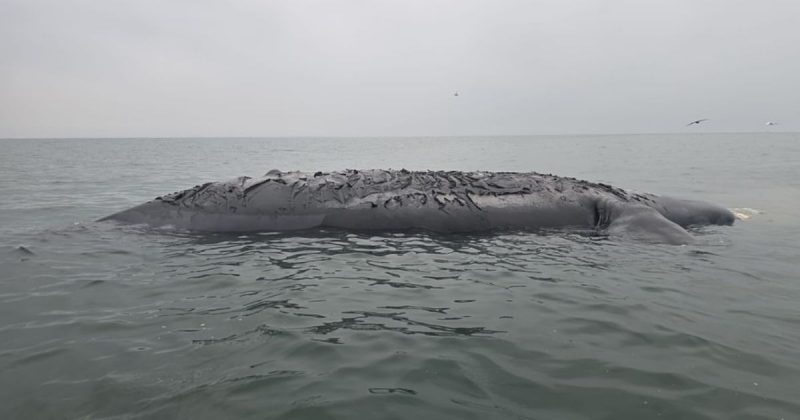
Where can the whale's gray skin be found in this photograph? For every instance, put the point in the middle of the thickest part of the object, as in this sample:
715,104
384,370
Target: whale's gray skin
437,201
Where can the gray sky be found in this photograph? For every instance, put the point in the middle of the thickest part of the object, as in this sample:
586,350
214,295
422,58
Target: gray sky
131,68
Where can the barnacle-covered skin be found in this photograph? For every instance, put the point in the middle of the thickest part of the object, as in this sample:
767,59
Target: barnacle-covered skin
442,201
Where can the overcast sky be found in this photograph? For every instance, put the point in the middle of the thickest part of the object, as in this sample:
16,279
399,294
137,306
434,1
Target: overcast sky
151,68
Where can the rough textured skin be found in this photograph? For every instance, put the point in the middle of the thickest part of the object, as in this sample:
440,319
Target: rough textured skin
440,201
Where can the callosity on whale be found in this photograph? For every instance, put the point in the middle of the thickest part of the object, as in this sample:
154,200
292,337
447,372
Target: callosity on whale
441,201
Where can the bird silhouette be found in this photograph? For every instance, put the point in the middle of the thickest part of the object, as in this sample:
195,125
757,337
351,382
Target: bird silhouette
697,121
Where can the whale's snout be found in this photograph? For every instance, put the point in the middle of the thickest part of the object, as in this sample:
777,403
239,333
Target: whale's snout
724,217
690,212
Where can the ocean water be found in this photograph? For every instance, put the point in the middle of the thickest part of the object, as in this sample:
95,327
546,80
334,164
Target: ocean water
105,321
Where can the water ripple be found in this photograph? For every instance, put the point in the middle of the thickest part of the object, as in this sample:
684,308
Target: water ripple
331,324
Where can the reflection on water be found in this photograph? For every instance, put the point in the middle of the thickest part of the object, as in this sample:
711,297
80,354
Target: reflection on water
514,324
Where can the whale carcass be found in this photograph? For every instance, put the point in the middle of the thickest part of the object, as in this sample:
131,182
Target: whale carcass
440,201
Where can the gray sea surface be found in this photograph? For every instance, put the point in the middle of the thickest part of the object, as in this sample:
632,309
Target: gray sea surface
101,321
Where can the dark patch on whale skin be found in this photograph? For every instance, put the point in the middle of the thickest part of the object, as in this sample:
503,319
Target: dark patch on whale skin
364,183
434,200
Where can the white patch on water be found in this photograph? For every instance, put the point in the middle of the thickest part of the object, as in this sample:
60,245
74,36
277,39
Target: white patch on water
745,213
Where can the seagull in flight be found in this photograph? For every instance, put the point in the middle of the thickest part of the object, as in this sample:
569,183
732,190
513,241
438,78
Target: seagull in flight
771,123
697,121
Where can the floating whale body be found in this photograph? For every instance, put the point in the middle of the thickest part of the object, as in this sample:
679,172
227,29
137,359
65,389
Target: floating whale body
440,201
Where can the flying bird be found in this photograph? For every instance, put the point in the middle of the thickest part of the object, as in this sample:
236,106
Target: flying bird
771,123
697,121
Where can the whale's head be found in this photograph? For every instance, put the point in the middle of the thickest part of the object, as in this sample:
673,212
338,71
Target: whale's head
693,213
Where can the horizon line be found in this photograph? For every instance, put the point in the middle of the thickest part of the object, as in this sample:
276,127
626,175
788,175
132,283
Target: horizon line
362,136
